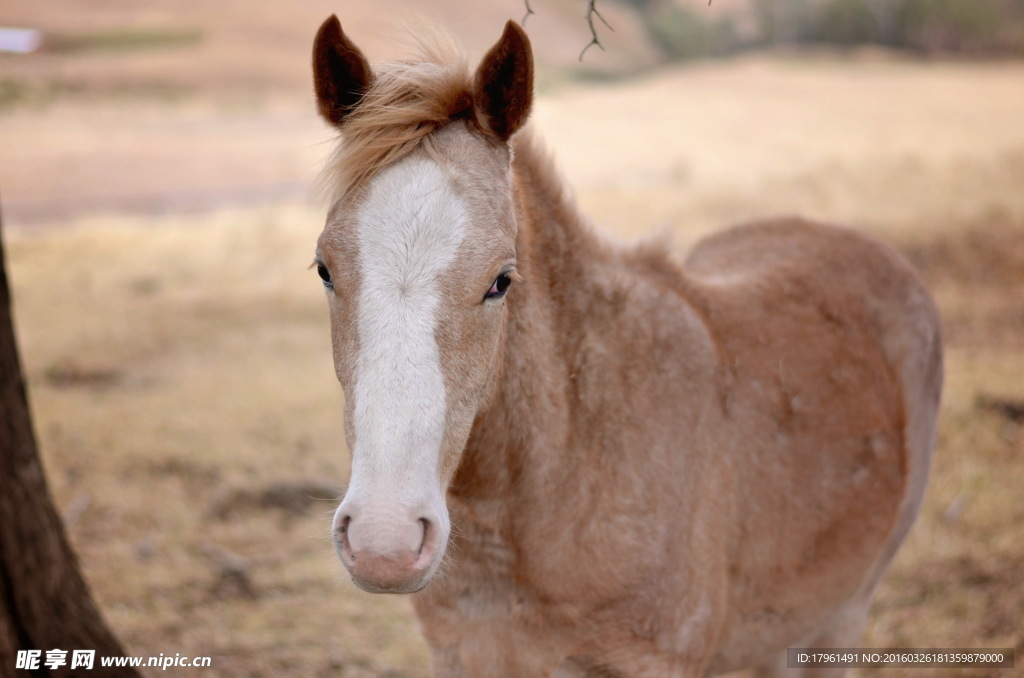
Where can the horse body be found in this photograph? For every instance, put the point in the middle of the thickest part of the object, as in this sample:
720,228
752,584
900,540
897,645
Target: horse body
682,458
654,469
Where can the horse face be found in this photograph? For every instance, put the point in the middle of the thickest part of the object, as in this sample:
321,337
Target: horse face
417,272
417,263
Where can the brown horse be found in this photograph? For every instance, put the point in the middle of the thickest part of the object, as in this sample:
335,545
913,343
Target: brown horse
652,468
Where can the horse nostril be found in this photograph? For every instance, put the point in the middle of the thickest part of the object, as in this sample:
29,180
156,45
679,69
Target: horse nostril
426,533
341,536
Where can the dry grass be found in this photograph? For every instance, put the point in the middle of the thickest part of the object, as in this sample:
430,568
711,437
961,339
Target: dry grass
181,375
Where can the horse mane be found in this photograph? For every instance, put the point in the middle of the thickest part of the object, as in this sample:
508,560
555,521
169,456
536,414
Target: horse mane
406,101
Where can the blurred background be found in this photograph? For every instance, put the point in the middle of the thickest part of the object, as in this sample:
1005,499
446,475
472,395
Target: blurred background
156,170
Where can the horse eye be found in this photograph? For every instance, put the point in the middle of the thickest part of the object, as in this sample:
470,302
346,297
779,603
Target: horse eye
324,274
499,287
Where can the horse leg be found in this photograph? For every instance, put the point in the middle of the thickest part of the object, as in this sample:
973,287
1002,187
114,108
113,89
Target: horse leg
842,630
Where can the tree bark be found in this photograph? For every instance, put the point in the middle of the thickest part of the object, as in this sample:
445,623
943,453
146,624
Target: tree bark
45,603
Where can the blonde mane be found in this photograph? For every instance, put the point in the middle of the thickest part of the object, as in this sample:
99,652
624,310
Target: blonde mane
406,101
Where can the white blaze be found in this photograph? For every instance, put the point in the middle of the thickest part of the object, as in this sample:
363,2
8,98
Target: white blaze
409,231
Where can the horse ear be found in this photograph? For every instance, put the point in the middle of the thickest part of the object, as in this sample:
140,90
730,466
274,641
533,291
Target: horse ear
503,86
341,74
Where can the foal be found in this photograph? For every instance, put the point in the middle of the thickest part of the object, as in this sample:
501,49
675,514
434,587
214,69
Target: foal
655,469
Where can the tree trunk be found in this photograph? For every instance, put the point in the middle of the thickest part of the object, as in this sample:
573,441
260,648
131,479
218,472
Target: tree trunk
44,601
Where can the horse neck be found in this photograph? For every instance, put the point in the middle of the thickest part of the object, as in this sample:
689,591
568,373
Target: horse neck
527,423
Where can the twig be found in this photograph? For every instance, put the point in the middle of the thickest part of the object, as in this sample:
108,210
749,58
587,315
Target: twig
529,11
591,13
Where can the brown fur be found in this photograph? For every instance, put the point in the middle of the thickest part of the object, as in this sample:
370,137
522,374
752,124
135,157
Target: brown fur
666,470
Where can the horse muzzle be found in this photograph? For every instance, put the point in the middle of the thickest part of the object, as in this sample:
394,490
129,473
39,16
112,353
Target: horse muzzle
387,550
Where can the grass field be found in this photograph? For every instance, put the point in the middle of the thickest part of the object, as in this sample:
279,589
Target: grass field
180,369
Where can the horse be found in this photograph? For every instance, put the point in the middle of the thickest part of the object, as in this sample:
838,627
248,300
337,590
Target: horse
584,458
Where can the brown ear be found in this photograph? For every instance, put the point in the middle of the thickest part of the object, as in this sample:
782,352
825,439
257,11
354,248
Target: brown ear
503,87
341,73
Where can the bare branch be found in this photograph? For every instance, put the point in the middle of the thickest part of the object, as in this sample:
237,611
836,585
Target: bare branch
591,13
529,12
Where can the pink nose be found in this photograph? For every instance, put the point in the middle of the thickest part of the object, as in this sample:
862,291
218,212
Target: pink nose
387,558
